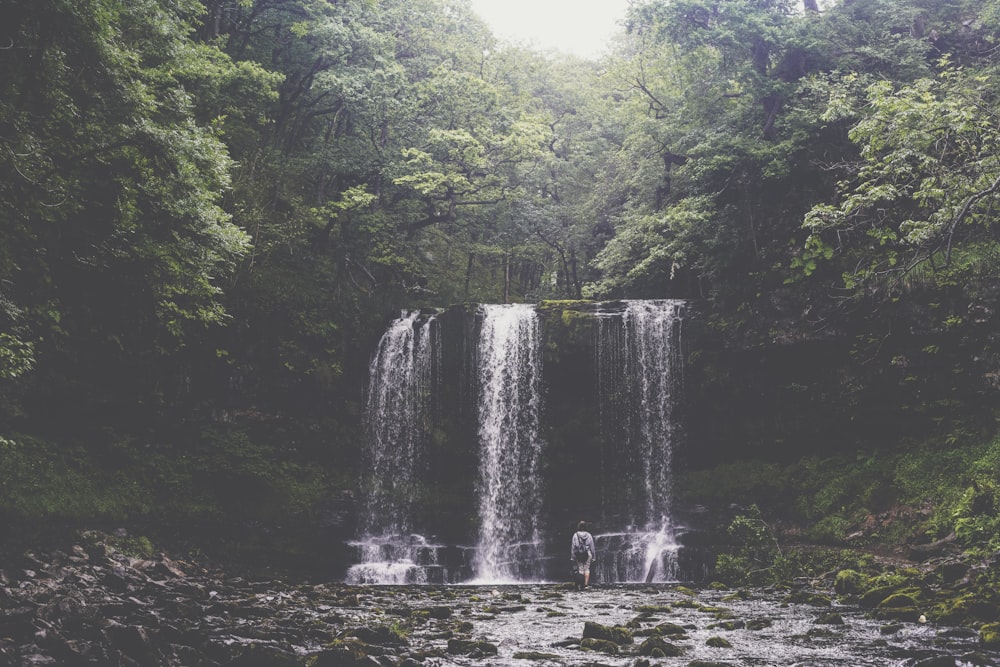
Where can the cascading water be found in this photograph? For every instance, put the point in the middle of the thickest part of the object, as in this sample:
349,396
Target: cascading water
640,377
509,400
400,398
489,367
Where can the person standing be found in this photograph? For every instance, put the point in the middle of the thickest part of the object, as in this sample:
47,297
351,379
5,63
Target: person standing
582,553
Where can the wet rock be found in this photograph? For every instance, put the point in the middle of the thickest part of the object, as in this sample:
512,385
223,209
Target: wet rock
718,642
729,625
344,656
873,597
966,608
940,661
535,655
16,623
951,571
133,641
898,601
849,582
708,663
617,634
989,635
381,635
660,646
757,624
810,598
832,618
471,647
439,612
671,630
599,645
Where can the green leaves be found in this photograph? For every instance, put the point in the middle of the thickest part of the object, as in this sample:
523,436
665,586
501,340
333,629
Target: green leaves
927,179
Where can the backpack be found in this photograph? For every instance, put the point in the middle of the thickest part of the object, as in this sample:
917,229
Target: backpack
580,551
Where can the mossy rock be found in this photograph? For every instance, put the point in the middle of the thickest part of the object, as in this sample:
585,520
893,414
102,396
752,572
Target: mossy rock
729,625
439,612
890,628
905,614
658,647
809,598
849,582
832,618
873,597
471,647
670,630
759,624
718,642
708,663
380,635
965,608
617,634
898,601
989,636
599,645
535,655
820,632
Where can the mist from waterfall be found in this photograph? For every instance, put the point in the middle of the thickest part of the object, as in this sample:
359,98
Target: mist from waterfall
510,445
640,380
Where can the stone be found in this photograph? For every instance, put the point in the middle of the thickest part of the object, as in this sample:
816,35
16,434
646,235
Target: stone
471,647
809,598
989,636
849,582
617,634
600,645
658,644
832,618
951,572
670,630
380,635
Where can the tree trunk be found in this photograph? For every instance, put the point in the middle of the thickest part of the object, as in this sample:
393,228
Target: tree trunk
506,278
468,272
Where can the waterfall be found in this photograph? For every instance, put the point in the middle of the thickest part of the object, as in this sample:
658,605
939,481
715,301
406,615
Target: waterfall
509,407
398,411
398,405
640,377
482,460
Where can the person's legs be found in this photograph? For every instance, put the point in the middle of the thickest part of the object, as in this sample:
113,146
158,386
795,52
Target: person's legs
586,573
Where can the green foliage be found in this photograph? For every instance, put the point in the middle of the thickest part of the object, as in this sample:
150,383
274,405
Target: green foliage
42,481
209,209
17,356
923,188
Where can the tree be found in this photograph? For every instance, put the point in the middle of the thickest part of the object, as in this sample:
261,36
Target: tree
115,244
919,203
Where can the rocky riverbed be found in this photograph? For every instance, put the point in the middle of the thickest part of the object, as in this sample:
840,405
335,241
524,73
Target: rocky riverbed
101,601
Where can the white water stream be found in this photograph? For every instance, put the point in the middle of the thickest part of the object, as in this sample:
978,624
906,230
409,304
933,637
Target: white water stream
640,380
510,444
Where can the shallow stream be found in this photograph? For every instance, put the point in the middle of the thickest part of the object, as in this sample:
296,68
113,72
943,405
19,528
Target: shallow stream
542,625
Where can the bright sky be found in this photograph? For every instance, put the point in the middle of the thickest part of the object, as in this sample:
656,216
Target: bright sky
580,27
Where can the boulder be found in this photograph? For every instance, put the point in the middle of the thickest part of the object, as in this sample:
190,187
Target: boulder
617,634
